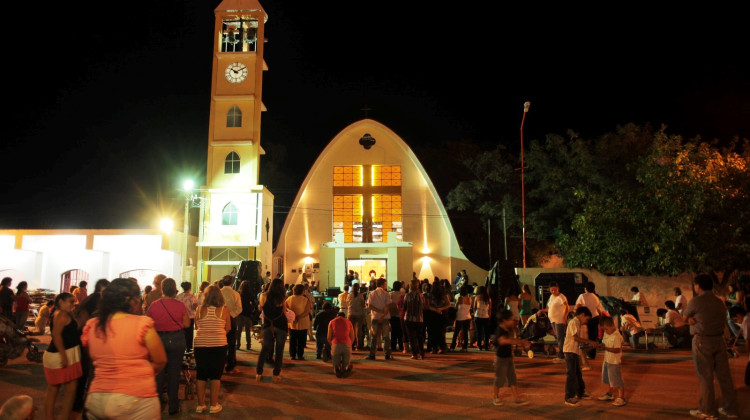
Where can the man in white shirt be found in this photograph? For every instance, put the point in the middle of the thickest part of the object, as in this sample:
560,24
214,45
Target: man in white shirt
378,302
234,305
557,310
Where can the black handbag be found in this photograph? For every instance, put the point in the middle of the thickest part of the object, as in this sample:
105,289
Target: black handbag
747,373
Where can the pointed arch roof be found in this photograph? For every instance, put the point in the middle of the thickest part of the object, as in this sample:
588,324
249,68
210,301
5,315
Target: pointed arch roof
364,126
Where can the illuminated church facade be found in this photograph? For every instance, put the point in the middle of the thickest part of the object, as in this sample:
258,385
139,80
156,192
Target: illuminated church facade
367,205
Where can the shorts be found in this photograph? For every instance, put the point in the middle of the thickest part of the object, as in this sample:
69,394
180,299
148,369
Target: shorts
209,362
612,375
505,372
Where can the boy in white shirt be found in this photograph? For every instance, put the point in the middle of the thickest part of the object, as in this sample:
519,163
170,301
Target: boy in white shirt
575,387
611,368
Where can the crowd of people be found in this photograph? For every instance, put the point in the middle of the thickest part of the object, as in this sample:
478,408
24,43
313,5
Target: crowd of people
135,340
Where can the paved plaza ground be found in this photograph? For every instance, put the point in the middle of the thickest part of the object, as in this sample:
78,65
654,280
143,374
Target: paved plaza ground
660,384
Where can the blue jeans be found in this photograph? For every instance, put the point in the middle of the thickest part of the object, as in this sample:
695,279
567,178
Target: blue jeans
380,329
574,385
712,361
273,343
483,332
174,346
560,334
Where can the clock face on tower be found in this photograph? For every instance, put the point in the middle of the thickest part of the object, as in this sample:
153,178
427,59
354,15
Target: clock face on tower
236,72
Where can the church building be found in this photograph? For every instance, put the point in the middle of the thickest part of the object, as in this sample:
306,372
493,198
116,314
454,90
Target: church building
368,205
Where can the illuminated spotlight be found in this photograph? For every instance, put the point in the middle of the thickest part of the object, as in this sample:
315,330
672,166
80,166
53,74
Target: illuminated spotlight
188,185
166,225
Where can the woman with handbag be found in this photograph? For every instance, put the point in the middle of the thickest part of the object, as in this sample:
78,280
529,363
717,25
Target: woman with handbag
275,324
170,317
300,305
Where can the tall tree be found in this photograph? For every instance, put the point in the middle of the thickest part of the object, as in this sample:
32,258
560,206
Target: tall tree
680,206
563,171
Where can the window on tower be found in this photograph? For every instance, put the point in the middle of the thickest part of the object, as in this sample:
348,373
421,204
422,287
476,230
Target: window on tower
234,117
232,163
239,34
229,215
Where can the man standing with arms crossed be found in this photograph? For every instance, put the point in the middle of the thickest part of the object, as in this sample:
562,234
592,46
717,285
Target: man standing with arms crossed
557,310
707,316
379,301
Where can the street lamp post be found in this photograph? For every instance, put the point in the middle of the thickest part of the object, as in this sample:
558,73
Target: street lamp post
526,106
187,186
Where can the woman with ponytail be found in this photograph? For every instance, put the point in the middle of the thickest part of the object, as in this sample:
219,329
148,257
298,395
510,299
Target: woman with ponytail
127,353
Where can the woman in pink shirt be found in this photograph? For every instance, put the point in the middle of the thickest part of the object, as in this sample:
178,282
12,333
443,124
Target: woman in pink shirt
126,353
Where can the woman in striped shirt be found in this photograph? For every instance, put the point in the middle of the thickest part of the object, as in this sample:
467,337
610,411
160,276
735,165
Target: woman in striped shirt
212,323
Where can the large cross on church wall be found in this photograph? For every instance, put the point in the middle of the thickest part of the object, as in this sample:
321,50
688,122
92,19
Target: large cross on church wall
367,190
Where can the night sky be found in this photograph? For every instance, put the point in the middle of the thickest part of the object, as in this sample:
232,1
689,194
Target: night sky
109,111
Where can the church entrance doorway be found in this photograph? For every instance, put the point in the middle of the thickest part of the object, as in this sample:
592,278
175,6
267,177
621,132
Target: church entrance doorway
367,268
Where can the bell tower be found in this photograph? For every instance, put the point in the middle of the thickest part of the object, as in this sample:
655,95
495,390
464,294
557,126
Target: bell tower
236,212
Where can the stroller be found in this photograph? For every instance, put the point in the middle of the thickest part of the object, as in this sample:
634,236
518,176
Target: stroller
13,342
535,331
188,365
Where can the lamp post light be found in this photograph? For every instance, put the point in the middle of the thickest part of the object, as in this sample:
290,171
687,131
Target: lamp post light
166,225
526,106
187,187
